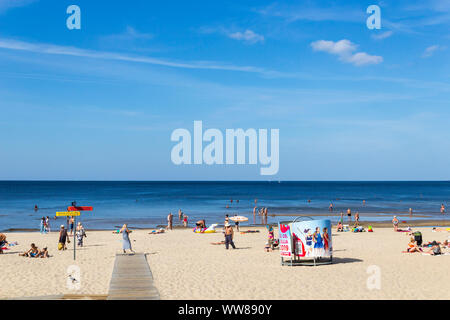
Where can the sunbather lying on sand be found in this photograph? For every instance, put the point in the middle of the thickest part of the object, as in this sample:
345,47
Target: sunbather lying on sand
157,231
434,250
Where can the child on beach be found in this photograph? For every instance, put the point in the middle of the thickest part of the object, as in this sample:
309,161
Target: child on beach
340,227
185,221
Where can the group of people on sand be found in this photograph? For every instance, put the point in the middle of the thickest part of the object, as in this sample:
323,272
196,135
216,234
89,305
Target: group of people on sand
434,247
34,252
44,225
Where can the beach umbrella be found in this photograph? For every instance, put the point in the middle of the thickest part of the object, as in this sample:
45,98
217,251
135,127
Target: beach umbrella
239,219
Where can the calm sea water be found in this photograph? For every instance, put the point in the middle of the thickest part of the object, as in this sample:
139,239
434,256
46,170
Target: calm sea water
146,204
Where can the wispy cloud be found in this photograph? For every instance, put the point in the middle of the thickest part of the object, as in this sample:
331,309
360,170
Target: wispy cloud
431,50
43,48
311,12
383,35
5,5
345,50
130,33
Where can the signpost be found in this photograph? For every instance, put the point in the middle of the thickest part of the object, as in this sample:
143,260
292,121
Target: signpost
74,211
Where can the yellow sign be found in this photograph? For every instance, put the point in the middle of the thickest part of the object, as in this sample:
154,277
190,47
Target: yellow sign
68,214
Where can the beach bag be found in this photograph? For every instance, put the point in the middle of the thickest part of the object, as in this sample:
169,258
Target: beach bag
418,237
60,246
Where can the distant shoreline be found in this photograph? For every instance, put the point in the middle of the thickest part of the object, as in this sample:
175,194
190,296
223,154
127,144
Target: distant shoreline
375,224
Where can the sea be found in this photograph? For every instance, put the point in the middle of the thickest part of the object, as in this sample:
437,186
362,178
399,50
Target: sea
147,204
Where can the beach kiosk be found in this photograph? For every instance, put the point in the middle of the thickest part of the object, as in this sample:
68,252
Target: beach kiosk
306,242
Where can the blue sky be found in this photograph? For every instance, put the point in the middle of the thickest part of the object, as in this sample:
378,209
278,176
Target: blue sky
100,103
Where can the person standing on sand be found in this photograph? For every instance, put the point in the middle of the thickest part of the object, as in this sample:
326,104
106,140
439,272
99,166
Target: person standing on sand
42,226
357,219
169,221
229,234
126,243
236,223
395,223
71,223
349,215
47,223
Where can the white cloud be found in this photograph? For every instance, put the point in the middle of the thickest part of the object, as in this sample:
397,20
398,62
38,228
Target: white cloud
345,49
431,50
247,36
382,35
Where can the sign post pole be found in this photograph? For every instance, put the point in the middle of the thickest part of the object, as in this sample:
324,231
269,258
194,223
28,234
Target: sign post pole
74,242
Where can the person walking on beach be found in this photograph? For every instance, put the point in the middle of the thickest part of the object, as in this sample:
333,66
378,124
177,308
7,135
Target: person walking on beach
349,215
169,221
126,243
80,234
63,238
229,234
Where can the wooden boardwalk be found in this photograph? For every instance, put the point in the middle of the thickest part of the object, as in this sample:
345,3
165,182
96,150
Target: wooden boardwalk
132,279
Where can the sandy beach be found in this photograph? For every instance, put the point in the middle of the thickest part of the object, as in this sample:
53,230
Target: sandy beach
186,265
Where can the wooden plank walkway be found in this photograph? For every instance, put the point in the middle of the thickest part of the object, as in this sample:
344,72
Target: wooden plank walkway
132,279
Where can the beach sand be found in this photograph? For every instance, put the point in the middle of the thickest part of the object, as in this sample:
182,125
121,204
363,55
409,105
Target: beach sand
186,265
